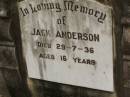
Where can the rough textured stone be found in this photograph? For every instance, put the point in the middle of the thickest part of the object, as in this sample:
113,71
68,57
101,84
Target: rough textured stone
5,21
16,86
8,57
3,88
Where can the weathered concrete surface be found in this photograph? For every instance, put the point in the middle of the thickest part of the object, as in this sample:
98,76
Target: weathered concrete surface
13,74
51,89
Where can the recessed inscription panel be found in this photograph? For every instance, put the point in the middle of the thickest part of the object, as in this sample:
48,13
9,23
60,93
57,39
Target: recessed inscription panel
68,41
